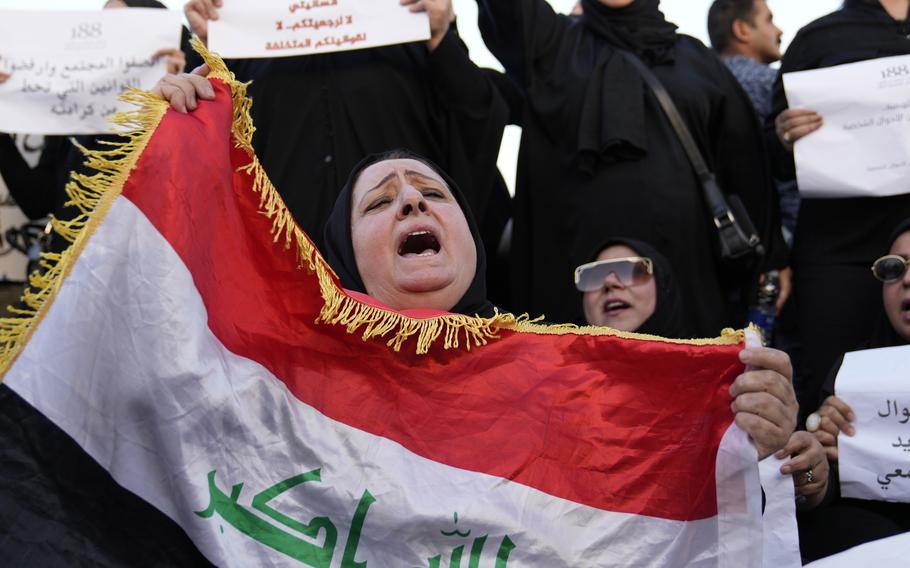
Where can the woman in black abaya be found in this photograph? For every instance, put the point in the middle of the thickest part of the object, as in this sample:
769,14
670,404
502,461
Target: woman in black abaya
843,522
598,155
837,239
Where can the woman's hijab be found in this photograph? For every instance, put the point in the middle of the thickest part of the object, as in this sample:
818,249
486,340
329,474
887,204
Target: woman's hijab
612,118
339,246
639,27
667,319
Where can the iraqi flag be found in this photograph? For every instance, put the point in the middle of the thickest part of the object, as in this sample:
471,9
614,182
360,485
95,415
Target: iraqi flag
189,384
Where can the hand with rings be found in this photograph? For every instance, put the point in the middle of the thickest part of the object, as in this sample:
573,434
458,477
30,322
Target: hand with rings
795,123
834,417
808,466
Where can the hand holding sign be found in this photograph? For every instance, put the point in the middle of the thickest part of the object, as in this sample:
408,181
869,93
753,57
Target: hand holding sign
795,123
198,13
441,16
833,417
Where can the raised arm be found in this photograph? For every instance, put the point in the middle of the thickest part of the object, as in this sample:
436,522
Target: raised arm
523,34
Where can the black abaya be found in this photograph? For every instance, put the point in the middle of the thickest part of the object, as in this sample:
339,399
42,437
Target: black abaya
317,116
837,239
599,158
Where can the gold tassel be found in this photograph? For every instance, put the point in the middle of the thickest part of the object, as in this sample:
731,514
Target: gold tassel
92,196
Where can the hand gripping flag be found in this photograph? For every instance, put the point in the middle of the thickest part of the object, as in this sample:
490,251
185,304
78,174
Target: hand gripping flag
195,349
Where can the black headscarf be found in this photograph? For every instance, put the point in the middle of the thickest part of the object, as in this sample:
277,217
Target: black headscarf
339,247
667,319
884,334
639,27
612,125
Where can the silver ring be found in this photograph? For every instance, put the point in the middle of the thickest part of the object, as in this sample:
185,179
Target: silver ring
810,477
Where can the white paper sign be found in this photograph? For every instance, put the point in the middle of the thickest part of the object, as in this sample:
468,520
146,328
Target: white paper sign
68,68
875,463
863,148
280,28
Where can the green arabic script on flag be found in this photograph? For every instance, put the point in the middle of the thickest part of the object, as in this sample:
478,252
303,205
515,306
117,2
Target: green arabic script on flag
261,530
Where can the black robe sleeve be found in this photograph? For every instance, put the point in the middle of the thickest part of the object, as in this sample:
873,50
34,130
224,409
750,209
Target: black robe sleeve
479,115
33,189
524,35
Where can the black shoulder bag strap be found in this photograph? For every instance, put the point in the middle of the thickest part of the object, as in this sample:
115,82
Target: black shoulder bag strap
736,232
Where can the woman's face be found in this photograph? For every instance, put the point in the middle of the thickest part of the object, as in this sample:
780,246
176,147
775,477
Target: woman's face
896,295
114,4
411,240
617,305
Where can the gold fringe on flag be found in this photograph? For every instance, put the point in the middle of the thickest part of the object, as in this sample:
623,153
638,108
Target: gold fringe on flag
93,194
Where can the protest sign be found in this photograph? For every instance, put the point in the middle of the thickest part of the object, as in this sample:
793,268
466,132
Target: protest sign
875,463
280,28
863,147
68,68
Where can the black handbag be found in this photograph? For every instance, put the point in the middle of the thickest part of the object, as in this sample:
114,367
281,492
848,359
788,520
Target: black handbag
738,240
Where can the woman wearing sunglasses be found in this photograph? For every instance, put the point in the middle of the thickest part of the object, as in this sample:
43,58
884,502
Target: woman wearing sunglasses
630,286
848,522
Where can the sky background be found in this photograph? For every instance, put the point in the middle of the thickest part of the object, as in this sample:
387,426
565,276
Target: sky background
689,15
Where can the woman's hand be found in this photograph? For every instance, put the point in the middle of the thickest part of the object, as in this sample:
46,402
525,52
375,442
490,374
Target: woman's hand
176,60
764,401
834,417
198,13
182,91
441,16
795,123
808,466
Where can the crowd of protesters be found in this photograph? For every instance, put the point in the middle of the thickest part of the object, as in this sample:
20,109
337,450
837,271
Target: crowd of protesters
608,188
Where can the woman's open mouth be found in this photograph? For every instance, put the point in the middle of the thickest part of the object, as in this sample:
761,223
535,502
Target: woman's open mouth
419,243
614,307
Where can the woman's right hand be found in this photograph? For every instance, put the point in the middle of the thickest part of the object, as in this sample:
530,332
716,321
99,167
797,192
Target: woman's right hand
182,90
834,417
198,13
795,123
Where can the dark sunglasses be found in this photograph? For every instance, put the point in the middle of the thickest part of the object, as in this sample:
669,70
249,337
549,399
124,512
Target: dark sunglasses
890,268
630,271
